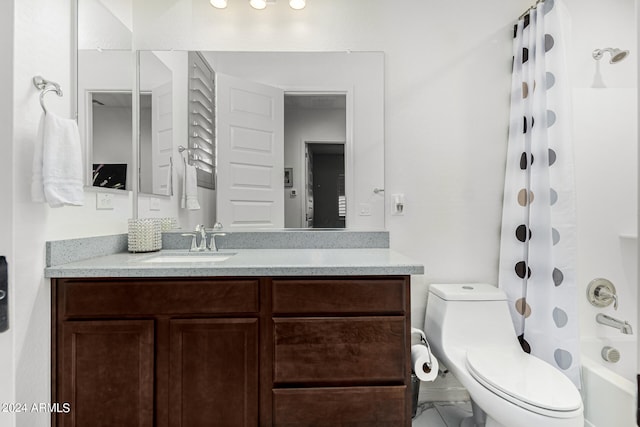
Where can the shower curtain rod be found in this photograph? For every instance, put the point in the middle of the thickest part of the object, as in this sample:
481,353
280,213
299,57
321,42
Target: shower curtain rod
530,9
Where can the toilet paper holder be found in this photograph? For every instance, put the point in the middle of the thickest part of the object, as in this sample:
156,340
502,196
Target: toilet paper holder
423,341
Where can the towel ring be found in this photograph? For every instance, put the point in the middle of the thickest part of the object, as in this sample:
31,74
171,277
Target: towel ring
46,86
190,157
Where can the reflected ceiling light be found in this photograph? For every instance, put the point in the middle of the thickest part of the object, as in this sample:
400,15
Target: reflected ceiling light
258,4
297,4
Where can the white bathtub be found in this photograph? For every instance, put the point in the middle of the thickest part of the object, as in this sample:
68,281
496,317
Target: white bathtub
609,389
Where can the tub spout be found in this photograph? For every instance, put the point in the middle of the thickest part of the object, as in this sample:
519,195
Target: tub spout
623,326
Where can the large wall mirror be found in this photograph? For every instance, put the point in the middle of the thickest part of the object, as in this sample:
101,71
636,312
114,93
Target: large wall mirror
297,138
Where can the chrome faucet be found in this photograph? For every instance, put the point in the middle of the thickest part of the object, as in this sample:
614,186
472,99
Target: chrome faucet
623,326
203,237
194,236
601,293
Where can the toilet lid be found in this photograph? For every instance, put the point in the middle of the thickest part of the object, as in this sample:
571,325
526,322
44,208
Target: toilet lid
522,378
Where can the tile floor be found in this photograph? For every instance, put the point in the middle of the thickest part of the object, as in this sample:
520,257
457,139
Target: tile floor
441,414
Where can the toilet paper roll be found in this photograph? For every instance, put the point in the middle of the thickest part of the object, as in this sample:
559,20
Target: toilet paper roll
425,365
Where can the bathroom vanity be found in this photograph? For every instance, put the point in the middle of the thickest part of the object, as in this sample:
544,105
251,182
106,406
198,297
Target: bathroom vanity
273,337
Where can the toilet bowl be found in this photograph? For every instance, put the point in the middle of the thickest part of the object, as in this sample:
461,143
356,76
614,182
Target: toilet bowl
470,331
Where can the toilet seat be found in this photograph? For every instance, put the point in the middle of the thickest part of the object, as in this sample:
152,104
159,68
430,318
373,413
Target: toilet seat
524,380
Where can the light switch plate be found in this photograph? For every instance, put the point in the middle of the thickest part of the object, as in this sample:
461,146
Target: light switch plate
364,209
154,204
397,204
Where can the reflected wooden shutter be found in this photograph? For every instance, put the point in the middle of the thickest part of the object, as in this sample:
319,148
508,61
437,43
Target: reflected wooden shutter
202,119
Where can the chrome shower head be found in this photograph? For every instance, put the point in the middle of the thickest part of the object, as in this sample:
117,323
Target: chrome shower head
617,55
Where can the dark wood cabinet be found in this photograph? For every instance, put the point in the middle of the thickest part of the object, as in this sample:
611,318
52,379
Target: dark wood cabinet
107,373
174,352
341,352
213,367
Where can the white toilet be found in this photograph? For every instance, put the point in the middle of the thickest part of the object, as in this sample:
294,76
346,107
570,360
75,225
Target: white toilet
470,331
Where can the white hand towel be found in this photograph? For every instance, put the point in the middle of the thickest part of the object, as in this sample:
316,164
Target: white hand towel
37,187
170,177
190,188
57,163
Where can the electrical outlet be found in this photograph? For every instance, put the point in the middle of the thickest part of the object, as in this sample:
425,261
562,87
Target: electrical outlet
104,201
364,209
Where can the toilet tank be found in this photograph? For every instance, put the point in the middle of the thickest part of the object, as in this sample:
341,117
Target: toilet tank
468,315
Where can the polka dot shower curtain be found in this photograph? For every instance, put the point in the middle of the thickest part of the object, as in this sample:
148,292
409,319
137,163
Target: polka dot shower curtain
537,253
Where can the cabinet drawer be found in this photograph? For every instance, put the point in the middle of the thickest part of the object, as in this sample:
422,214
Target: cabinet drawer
359,295
340,350
347,406
112,298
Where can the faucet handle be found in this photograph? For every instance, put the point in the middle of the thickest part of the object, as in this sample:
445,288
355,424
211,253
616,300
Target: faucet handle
601,293
212,245
606,293
194,247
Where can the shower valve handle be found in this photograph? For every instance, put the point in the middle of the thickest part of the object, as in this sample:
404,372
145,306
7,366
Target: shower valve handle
601,293
604,294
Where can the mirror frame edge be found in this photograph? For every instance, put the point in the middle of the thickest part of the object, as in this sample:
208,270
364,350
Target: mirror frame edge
135,137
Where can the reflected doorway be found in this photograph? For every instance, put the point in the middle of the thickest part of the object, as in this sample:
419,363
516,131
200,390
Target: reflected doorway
325,201
315,144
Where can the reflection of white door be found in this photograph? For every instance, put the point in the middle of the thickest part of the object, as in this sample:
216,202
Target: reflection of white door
162,137
250,154
308,200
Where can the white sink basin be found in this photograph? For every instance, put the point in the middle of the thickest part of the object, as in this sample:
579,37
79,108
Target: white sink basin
189,257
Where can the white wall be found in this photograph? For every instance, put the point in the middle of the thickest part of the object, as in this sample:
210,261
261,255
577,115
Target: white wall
595,26
606,154
7,360
104,23
41,46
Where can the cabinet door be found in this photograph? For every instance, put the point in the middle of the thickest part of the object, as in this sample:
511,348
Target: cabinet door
107,373
213,376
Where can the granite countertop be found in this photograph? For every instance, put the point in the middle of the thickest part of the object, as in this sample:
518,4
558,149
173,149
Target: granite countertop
244,262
